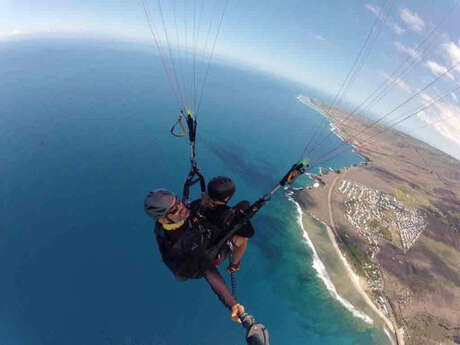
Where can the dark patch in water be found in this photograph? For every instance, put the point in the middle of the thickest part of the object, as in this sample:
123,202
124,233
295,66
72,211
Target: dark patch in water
253,172
267,231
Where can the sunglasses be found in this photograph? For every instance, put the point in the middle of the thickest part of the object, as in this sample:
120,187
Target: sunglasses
174,208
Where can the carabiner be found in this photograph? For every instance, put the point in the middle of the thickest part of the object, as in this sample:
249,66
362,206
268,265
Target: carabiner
173,128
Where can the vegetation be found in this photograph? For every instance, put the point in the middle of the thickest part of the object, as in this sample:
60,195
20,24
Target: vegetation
356,256
387,234
375,225
437,212
455,216
378,227
406,196
423,282
450,255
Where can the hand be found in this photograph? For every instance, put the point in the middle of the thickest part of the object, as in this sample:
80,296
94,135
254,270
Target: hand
237,309
232,268
243,206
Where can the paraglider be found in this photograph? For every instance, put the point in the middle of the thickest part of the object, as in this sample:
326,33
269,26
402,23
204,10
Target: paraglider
191,245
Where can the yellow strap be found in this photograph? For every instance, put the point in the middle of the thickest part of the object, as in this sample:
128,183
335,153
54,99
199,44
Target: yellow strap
189,112
173,226
293,174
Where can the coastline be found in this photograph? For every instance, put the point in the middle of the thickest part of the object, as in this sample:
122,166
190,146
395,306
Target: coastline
359,283
323,274
328,270
403,217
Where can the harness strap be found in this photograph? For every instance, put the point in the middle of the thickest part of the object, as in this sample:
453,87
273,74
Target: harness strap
189,182
194,170
191,123
232,275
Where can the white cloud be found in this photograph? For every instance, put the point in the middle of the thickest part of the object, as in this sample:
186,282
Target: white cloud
427,99
454,97
438,69
376,10
445,119
10,34
453,53
397,81
412,19
397,29
320,38
407,50
379,13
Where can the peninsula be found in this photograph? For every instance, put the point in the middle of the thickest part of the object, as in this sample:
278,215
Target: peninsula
396,222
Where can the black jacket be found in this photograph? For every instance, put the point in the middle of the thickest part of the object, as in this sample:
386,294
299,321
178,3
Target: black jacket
183,251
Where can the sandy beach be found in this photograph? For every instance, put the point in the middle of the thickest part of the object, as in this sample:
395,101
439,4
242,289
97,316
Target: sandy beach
338,276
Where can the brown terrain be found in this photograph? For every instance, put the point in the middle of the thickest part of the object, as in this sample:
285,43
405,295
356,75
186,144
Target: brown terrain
417,284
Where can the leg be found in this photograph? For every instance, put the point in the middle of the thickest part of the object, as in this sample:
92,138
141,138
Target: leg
240,243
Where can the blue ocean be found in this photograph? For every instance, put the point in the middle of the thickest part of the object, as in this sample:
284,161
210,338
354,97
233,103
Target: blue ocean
84,135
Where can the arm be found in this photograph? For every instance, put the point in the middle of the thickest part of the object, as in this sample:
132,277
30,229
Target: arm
219,287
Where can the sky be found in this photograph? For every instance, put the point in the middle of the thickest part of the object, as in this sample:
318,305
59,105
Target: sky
310,42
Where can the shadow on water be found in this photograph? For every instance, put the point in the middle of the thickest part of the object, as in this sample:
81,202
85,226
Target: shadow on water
255,172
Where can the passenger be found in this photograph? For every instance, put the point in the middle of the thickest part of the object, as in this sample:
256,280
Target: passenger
182,245
216,211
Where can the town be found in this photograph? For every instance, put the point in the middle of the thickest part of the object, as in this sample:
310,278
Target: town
372,212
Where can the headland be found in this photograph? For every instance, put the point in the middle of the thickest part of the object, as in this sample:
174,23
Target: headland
395,222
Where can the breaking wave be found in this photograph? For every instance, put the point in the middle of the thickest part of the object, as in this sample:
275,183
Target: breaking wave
322,273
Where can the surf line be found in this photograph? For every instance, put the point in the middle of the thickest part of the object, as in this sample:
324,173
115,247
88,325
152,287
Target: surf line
320,269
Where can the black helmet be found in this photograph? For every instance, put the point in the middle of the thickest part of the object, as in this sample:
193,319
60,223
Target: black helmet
220,188
157,202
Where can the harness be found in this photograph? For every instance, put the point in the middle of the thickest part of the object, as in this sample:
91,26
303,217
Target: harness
190,249
214,251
